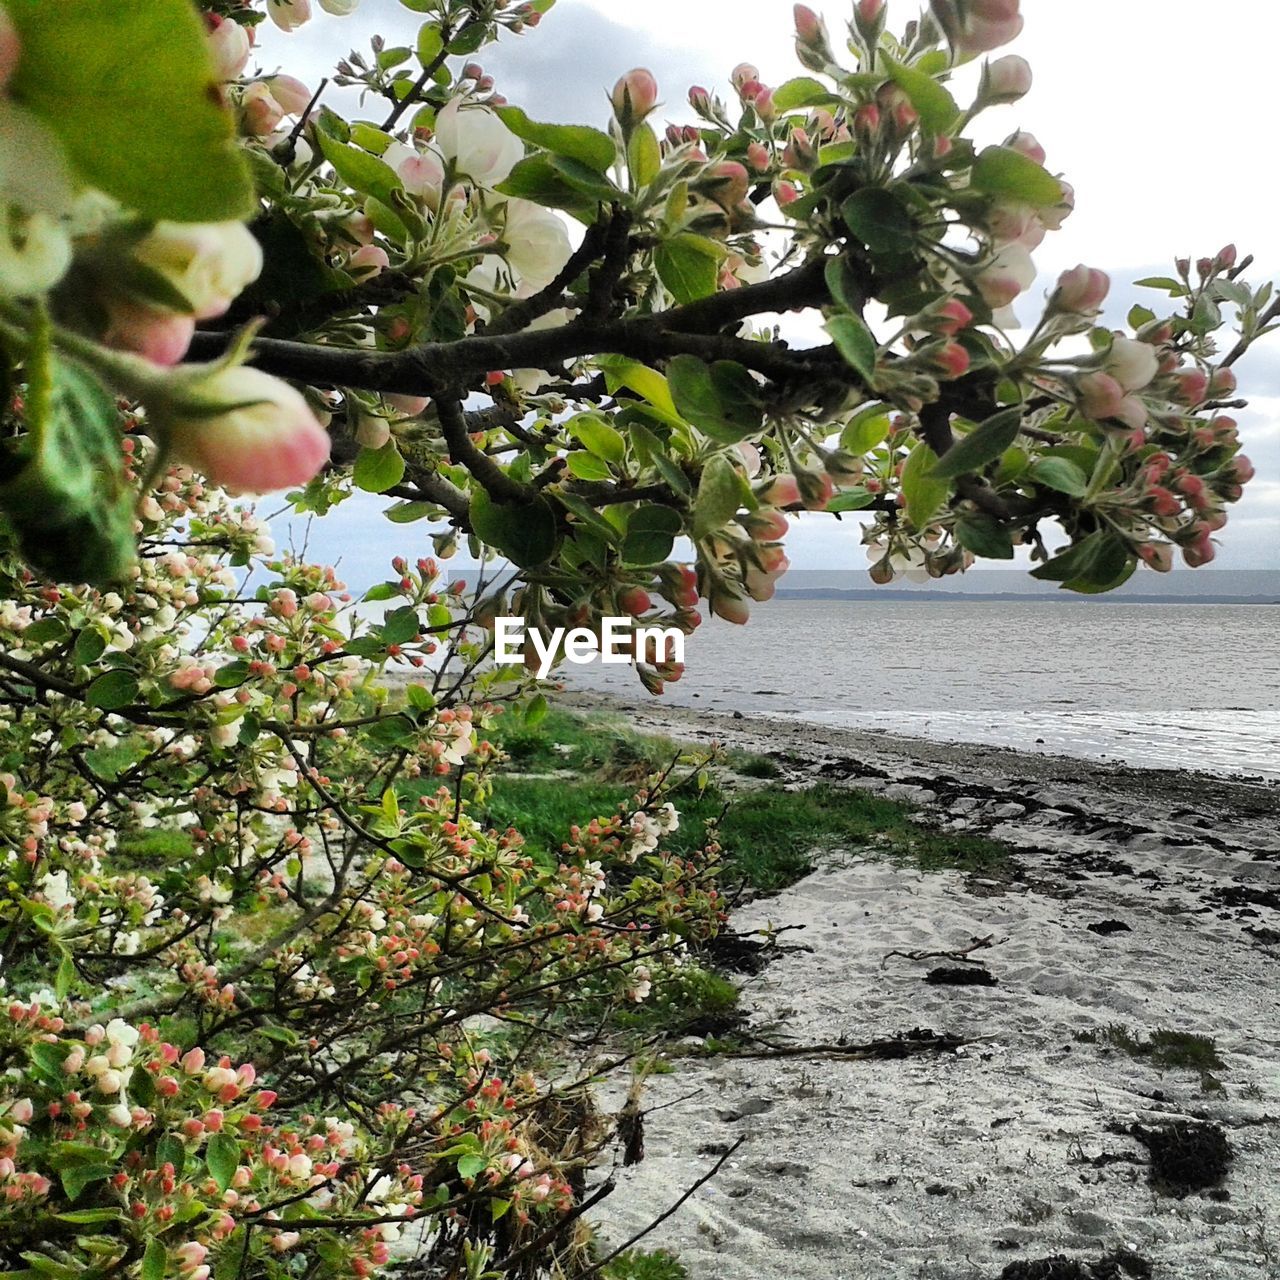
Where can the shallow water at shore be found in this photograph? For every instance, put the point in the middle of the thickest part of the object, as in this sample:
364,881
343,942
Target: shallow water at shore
1168,686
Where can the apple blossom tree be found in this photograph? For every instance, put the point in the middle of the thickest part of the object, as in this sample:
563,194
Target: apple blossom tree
279,1001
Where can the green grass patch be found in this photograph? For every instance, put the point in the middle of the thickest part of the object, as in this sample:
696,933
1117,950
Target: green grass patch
691,1001
1163,1048
636,1264
770,833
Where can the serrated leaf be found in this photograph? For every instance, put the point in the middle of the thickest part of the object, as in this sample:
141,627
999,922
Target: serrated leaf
651,534
155,1259
369,175
534,178
983,444
803,91
924,492
1175,288
586,466
644,155
1009,175
596,435
1060,474
470,1165
689,266
131,93
113,690
377,470
75,1177
936,107
408,512
719,496
430,43
620,371
721,400
222,1157
578,142
984,537
856,344
523,532
868,428
400,626
879,219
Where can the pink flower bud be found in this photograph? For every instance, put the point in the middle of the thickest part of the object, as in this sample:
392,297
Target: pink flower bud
22,1111
782,491
1009,272
1008,78
1222,382
1157,555
245,430
635,600
368,261
950,359
1082,289
159,336
634,96
1054,215
1241,469
288,15
866,120
1132,364
699,99
742,74
229,46
208,263
785,193
1199,552
727,183
732,608
869,11
948,318
260,113
1226,258
1026,144
293,96
987,25
809,27
1191,386
1100,395
758,156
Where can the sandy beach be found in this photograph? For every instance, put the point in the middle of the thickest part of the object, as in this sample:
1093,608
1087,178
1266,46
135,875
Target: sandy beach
1145,901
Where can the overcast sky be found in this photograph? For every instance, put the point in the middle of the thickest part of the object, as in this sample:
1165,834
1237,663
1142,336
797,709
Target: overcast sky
1159,112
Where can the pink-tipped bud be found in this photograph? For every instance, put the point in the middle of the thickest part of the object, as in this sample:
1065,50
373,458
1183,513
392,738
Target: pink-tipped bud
700,100
293,96
1026,144
1240,469
782,491
948,318
866,120
1191,386
868,12
1222,382
950,359
1008,79
809,27
727,183
634,97
742,74
368,261
1157,555
1082,289
1101,396
758,157
635,600
228,44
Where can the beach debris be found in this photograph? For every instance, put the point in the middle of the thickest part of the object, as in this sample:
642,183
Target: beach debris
1112,1266
960,977
961,955
1107,927
907,1044
1186,1155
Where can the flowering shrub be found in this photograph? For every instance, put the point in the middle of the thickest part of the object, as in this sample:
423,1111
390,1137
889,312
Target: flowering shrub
576,400
276,998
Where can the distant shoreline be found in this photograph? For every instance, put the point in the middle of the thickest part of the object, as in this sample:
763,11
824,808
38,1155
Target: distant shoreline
898,595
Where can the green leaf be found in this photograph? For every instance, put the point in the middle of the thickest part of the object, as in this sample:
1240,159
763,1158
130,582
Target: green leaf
362,172
936,107
984,537
68,500
469,1166
803,91
1097,563
620,371
644,155
856,344
868,428
408,512
721,400
879,219
1060,474
87,1217
222,1156
597,436
66,976
534,178
378,470
75,1177
579,142
586,466
720,494
89,646
689,266
651,534
524,532
113,690
924,492
155,1259
850,500
843,284
1009,175
400,626
1175,288
130,91
430,43
582,177
983,444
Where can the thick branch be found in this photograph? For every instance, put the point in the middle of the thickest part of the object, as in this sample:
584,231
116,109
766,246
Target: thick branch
463,452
